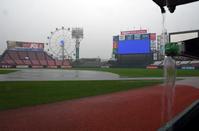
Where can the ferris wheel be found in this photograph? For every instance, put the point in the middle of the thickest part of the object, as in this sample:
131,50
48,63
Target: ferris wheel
60,44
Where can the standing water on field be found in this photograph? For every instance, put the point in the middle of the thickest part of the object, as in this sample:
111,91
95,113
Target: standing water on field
169,79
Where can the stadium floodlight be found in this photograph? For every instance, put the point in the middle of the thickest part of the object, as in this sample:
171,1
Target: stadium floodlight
77,34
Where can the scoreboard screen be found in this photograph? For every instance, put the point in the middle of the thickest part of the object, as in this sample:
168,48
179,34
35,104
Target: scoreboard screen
134,46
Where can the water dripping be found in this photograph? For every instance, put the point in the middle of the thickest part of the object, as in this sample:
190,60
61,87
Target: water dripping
169,79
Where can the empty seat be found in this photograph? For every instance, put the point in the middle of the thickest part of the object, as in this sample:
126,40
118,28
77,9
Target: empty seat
36,59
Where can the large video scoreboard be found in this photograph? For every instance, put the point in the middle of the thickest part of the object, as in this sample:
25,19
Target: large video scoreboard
128,43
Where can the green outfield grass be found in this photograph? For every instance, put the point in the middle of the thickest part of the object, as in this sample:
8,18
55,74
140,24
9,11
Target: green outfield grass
28,93
6,71
132,72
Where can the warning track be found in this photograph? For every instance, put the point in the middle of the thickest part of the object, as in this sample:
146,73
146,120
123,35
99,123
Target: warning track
133,110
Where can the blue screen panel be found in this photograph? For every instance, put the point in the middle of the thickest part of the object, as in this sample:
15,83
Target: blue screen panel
145,36
137,36
128,37
134,46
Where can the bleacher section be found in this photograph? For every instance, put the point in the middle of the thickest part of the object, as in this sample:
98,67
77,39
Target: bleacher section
158,63
32,59
179,64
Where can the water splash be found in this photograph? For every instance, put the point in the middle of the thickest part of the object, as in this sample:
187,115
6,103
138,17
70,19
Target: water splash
169,78
164,32
169,88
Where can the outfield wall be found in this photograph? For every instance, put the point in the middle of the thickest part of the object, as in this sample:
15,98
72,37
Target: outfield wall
133,60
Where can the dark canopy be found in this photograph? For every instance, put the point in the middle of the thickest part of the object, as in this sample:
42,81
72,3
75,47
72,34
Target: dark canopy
171,4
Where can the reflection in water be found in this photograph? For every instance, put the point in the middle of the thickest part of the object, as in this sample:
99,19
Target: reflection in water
76,73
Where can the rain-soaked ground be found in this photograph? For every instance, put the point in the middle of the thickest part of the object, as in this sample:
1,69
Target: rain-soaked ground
132,110
55,74
112,112
59,74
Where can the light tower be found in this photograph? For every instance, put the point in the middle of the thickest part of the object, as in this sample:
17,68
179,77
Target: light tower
77,34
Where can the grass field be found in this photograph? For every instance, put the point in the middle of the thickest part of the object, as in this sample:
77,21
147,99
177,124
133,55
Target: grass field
130,72
6,71
28,93
133,72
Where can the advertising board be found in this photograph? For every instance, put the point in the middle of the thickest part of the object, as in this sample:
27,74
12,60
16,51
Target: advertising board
28,45
134,32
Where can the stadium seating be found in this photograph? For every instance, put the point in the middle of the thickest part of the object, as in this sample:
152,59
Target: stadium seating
157,63
179,64
34,59
58,62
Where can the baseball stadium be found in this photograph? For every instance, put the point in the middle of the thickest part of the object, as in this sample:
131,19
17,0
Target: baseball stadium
147,84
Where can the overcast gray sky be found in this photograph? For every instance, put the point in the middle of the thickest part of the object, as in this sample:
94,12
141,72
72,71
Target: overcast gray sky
33,20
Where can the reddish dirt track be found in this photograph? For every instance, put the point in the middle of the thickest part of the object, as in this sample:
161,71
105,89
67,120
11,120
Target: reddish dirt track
133,110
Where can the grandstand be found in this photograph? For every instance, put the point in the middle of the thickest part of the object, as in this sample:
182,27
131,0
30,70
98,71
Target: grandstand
191,64
22,54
